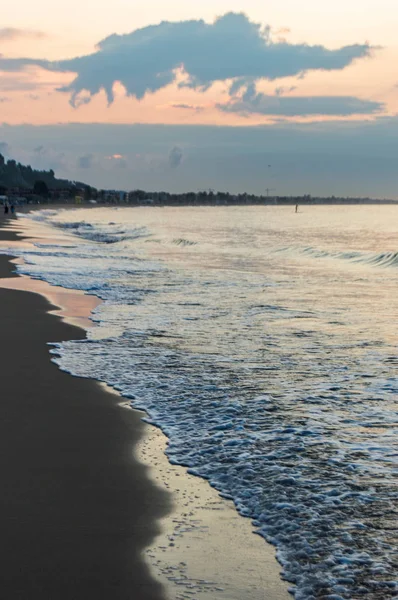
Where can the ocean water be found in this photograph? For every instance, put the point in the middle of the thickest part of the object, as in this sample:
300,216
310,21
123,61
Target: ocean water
264,344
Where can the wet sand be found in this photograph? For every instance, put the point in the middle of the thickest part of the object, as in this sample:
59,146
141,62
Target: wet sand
76,508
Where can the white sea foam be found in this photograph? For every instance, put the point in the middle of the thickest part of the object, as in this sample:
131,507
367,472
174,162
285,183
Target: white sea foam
286,406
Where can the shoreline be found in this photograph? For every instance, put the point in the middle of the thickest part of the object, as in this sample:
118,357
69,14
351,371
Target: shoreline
200,524
74,499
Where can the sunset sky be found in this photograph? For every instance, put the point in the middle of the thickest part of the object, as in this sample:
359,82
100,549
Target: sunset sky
183,95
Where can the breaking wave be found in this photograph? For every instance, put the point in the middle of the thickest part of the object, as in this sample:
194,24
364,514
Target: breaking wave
106,233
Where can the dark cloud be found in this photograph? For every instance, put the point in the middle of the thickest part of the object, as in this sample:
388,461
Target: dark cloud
298,106
356,157
85,162
231,48
9,34
175,157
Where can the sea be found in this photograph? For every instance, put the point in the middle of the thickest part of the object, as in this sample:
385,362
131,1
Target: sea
264,344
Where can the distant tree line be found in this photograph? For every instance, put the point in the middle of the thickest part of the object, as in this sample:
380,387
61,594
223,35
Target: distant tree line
17,179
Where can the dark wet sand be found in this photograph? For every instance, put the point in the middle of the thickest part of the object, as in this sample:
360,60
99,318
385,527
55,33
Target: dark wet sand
76,509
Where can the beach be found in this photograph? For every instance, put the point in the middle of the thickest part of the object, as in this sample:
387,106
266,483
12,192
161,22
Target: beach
76,509
93,507
267,391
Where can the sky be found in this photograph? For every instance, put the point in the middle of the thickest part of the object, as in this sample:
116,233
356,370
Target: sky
298,97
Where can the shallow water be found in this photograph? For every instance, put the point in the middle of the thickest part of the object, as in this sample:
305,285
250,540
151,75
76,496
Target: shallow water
264,343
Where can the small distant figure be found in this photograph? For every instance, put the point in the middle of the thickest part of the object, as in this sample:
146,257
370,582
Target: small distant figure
296,208
12,209
6,209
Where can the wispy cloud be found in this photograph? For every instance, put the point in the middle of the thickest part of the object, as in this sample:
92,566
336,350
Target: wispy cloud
194,107
10,34
281,91
298,106
85,162
233,48
175,157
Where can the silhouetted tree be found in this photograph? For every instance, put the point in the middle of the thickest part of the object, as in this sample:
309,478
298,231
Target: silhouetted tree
40,188
87,193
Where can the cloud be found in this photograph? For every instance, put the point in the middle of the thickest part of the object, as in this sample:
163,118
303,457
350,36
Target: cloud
5,148
117,160
356,158
175,157
46,157
10,34
15,65
149,59
280,91
82,100
85,162
183,106
299,106
283,31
